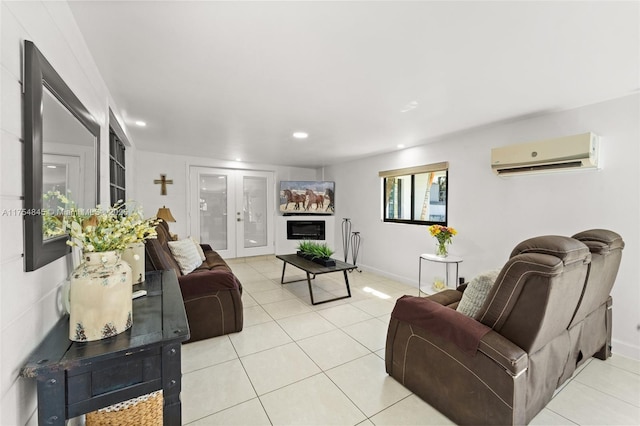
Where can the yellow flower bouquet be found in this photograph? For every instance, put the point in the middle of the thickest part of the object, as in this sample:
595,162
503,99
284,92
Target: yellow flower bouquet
443,234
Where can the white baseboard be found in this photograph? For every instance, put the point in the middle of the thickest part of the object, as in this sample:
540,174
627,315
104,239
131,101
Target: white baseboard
625,349
386,274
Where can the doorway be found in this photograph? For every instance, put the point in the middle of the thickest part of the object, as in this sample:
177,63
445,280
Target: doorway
232,210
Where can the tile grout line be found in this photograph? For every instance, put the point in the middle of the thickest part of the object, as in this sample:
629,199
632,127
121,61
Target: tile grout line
558,414
605,393
322,371
385,409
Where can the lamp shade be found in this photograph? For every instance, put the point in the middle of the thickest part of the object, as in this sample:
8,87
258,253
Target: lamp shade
165,214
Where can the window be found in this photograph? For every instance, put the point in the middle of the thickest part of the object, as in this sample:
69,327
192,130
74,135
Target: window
116,166
416,195
117,170
117,145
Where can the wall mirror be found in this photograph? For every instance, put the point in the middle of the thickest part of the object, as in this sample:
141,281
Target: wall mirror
61,159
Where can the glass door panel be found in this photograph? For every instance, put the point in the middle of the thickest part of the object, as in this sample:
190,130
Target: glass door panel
213,211
211,194
255,235
255,211
232,210
60,182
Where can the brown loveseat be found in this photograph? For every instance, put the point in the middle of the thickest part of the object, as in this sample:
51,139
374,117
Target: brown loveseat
212,294
548,311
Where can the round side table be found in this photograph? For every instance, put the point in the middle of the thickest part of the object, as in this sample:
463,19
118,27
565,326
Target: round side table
447,261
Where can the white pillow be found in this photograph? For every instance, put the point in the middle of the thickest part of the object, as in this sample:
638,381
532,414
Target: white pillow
199,249
476,293
185,253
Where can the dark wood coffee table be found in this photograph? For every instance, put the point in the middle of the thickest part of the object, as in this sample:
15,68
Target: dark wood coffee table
313,269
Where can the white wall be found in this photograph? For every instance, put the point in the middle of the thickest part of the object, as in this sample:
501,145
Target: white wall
29,300
493,214
150,165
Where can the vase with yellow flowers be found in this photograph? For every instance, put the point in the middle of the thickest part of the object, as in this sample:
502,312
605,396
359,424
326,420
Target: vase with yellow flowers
443,236
100,290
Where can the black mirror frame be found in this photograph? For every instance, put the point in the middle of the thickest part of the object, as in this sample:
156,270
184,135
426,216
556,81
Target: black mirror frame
39,73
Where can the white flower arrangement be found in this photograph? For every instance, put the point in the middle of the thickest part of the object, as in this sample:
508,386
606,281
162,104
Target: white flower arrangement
106,229
55,204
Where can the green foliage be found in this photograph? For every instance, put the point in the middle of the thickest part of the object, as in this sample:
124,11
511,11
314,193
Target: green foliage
315,249
55,204
108,228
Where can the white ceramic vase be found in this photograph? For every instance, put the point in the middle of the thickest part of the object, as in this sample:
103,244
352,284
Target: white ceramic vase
134,256
100,297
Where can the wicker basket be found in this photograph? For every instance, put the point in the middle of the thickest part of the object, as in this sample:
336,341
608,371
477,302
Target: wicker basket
146,410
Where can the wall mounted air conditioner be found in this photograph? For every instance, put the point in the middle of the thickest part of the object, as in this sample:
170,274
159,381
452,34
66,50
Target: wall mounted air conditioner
550,155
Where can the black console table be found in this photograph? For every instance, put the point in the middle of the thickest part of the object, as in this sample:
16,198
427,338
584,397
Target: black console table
76,378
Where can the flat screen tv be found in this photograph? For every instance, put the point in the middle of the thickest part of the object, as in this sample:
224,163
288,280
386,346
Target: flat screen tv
307,197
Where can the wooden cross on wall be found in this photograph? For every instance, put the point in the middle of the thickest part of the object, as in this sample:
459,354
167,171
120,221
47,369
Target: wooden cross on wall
163,181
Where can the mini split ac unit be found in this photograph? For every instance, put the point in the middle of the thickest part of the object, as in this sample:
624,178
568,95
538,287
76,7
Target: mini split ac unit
551,155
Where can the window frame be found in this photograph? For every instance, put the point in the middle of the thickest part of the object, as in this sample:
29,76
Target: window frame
412,172
118,144
117,177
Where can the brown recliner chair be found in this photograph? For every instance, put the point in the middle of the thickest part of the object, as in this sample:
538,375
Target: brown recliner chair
590,328
212,294
504,366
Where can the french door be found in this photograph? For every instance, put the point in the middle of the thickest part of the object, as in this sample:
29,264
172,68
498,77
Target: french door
232,210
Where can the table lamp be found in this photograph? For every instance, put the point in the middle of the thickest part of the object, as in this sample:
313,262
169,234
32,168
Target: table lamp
165,214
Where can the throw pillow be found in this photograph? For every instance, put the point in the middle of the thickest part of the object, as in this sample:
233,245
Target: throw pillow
199,249
476,293
185,253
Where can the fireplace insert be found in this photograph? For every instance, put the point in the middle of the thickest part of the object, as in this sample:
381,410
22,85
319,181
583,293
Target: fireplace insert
306,230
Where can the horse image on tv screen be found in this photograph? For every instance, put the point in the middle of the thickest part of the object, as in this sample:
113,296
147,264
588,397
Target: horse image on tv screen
307,197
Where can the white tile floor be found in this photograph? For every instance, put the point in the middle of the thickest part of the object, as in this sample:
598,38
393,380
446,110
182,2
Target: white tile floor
299,364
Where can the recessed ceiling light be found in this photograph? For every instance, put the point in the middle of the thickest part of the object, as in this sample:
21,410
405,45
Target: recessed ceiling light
51,167
140,123
301,135
400,145
238,159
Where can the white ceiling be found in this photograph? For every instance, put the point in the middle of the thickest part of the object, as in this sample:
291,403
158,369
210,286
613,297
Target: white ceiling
235,79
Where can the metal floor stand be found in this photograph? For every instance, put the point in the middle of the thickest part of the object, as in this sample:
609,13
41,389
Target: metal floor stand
346,234
355,248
